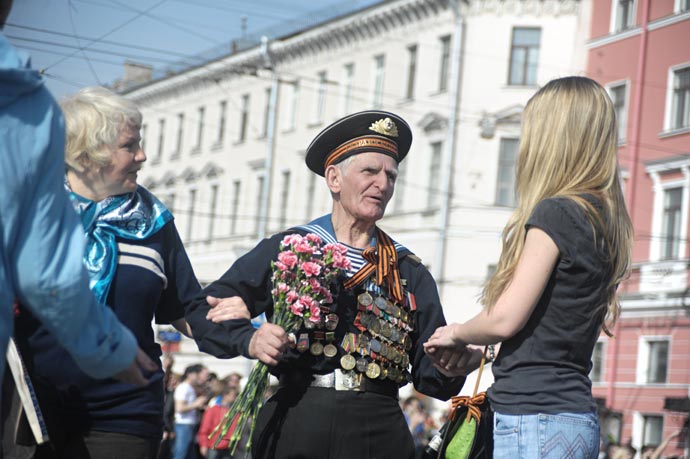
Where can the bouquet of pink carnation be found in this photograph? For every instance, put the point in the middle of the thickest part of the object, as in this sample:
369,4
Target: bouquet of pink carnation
302,275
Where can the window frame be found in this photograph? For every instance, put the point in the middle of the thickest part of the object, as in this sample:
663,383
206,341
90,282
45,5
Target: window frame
643,356
244,117
435,158
444,63
610,87
503,141
614,26
526,65
378,81
412,64
659,187
669,112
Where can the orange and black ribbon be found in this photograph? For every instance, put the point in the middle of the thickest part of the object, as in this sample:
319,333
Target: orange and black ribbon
382,260
473,405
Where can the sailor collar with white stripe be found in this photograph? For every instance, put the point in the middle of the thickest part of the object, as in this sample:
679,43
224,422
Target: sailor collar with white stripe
323,227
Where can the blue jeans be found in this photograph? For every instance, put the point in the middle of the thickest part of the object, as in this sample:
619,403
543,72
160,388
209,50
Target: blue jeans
184,441
546,436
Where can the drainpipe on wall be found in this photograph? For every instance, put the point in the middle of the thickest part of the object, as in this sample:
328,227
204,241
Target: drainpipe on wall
447,161
636,113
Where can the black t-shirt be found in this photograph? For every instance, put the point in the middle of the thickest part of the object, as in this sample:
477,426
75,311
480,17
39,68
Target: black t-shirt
544,368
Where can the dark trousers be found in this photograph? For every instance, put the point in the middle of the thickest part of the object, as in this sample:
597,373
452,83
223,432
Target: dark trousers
319,423
98,445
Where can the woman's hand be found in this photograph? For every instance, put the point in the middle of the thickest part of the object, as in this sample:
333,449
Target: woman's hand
443,338
223,309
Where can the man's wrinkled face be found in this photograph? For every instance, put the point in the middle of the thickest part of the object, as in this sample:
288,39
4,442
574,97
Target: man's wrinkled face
365,185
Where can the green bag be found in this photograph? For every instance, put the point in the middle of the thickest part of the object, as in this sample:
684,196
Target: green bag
469,429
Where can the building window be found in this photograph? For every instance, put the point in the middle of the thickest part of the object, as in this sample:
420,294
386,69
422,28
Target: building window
320,97
291,106
348,88
267,112
652,360
190,214
143,137
236,185
379,74
311,187
652,429
671,222
169,201
505,182
222,109
623,15
444,66
284,195
680,109
411,71
524,56
682,6
200,128
597,371
212,212
619,97
400,185
161,139
244,118
180,136
434,195
259,198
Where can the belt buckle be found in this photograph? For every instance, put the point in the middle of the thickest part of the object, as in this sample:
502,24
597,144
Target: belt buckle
348,380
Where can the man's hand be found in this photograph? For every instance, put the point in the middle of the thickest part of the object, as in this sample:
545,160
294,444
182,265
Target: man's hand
268,344
455,362
230,308
132,374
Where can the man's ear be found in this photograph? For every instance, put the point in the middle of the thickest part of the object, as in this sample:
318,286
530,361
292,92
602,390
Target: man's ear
333,176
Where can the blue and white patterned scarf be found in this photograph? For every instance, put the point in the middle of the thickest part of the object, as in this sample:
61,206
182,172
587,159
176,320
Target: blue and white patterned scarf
134,216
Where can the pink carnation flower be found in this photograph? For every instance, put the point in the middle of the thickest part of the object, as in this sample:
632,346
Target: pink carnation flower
304,247
291,239
308,301
341,261
297,308
288,258
310,268
281,266
291,296
314,284
283,287
315,313
311,237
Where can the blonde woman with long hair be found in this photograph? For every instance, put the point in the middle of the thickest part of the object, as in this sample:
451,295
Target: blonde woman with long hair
566,248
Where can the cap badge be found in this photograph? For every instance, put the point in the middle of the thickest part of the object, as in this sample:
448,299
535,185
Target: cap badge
385,126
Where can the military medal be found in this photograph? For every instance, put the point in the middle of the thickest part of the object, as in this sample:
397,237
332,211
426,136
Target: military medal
332,321
329,350
381,303
373,370
348,362
303,342
365,299
361,364
316,347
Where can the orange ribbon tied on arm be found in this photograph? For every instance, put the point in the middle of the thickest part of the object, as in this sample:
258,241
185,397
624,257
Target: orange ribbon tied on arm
473,405
383,260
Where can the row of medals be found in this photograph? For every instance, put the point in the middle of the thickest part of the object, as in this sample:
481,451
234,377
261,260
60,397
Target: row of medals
383,343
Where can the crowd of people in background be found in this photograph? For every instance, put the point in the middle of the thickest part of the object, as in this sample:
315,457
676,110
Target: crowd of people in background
198,399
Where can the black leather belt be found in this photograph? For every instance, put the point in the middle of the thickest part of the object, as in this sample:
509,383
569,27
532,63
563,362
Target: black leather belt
334,380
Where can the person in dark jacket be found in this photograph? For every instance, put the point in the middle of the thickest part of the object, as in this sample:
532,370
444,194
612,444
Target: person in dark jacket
339,384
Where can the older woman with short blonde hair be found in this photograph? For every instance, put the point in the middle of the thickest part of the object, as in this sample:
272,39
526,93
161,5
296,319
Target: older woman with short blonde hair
137,266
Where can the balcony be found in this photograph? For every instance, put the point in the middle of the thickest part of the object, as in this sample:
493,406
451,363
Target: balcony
662,276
